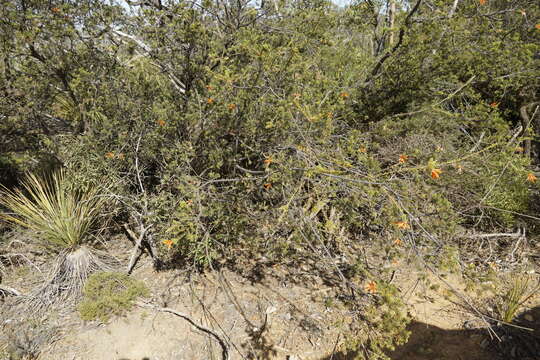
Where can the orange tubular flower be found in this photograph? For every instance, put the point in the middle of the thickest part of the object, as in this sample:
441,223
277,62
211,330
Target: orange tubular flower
168,243
210,101
482,2
109,155
494,104
161,122
531,178
403,158
344,95
268,161
267,186
231,107
402,225
362,149
436,173
398,242
371,287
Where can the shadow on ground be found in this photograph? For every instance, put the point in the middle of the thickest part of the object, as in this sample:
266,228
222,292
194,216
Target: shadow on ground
429,342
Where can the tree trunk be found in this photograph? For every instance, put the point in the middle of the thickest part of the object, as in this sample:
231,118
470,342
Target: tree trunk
391,21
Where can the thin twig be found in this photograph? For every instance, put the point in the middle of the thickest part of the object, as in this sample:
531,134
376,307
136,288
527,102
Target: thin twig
10,291
222,343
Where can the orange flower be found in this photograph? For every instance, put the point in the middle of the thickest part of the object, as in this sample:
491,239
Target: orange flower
402,225
329,115
268,161
494,104
398,242
168,243
161,122
267,186
537,26
344,95
436,173
482,2
189,202
109,155
531,178
55,10
120,156
371,287
362,149
210,100
231,106
403,158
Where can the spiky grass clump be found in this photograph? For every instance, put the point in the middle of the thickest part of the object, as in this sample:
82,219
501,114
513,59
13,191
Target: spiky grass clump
514,298
69,274
62,217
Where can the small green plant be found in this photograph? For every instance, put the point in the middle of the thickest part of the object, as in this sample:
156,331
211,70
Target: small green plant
109,293
62,217
513,299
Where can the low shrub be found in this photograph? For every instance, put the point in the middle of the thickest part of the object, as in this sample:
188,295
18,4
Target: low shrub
109,293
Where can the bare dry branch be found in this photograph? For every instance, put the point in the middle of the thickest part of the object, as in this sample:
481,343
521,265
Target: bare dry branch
222,343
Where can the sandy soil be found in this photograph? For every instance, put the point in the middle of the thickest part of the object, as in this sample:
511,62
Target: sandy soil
275,316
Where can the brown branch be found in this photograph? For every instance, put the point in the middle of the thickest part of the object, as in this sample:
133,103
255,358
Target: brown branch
140,246
9,291
407,24
525,123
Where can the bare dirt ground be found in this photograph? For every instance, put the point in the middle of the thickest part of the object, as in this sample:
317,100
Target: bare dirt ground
266,320
273,316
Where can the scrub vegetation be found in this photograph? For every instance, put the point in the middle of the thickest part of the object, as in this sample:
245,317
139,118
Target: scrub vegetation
357,141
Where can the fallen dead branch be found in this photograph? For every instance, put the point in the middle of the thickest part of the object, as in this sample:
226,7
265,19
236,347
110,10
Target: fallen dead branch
140,246
222,343
517,234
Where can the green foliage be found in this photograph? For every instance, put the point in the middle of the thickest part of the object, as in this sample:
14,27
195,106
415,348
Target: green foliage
109,293
62,217
235,131
510,303
385,322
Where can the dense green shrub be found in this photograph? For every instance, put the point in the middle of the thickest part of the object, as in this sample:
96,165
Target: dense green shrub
292,130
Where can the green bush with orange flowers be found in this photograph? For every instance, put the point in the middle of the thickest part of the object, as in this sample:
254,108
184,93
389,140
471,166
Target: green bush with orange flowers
236,132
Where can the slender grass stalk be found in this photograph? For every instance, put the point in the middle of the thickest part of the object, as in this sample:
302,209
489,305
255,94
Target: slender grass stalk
62,217
513,299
